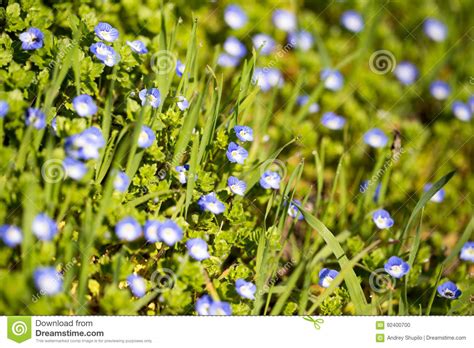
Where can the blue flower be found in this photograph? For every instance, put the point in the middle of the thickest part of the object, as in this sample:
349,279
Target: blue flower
467,251
284,20
151,231
333,79
11,235
128,229
326,276
234,47
235,17
245,289
169,232
294,211
151,97
470,103
43,227
105,54
435,29
269,180
303,100
302,40
440,90
264,43
237,186
182,173
74,169
244,133
396,267
352,21
236,153
137,285
375,137
179,68
197,248
32,39
48,281
84,105
406,73
227,61
365,185
203,304
182,103
461,111
449,290
35,117
266,78
438,197
106,32
121,181
211,203
382,219
3,108
220,308
146,138
85,145
137,46
333,121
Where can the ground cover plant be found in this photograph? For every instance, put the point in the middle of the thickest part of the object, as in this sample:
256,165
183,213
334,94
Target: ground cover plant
218,158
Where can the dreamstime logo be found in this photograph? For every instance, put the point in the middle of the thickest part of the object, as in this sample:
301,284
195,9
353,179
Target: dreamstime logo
19,328
380,281
274,165
53,171
163,62
382,62
163,279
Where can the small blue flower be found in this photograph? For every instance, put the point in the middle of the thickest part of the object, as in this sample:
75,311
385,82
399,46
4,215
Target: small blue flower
245,289
237,186
74,169
365,185
461,111
48,281
244,133
137,46
236,153
438,197
470,103
197,248
234,47
235,17
3,108
352,21
406,73
211,203
43,227
269,180
128,229
467,251
294,211
105,54
264,43
375,137
203,304
84,105
302,40
449,290
182,103
151,97
35,117
396,267
326,276
382,219
137,285
85,145
146,137
303,100
284,20
169,232
227,61
11,235
32,39
220,308
333,79
106,32
332,121
121,181
440,90
435,29
151,231
182,173
179,68
266,78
